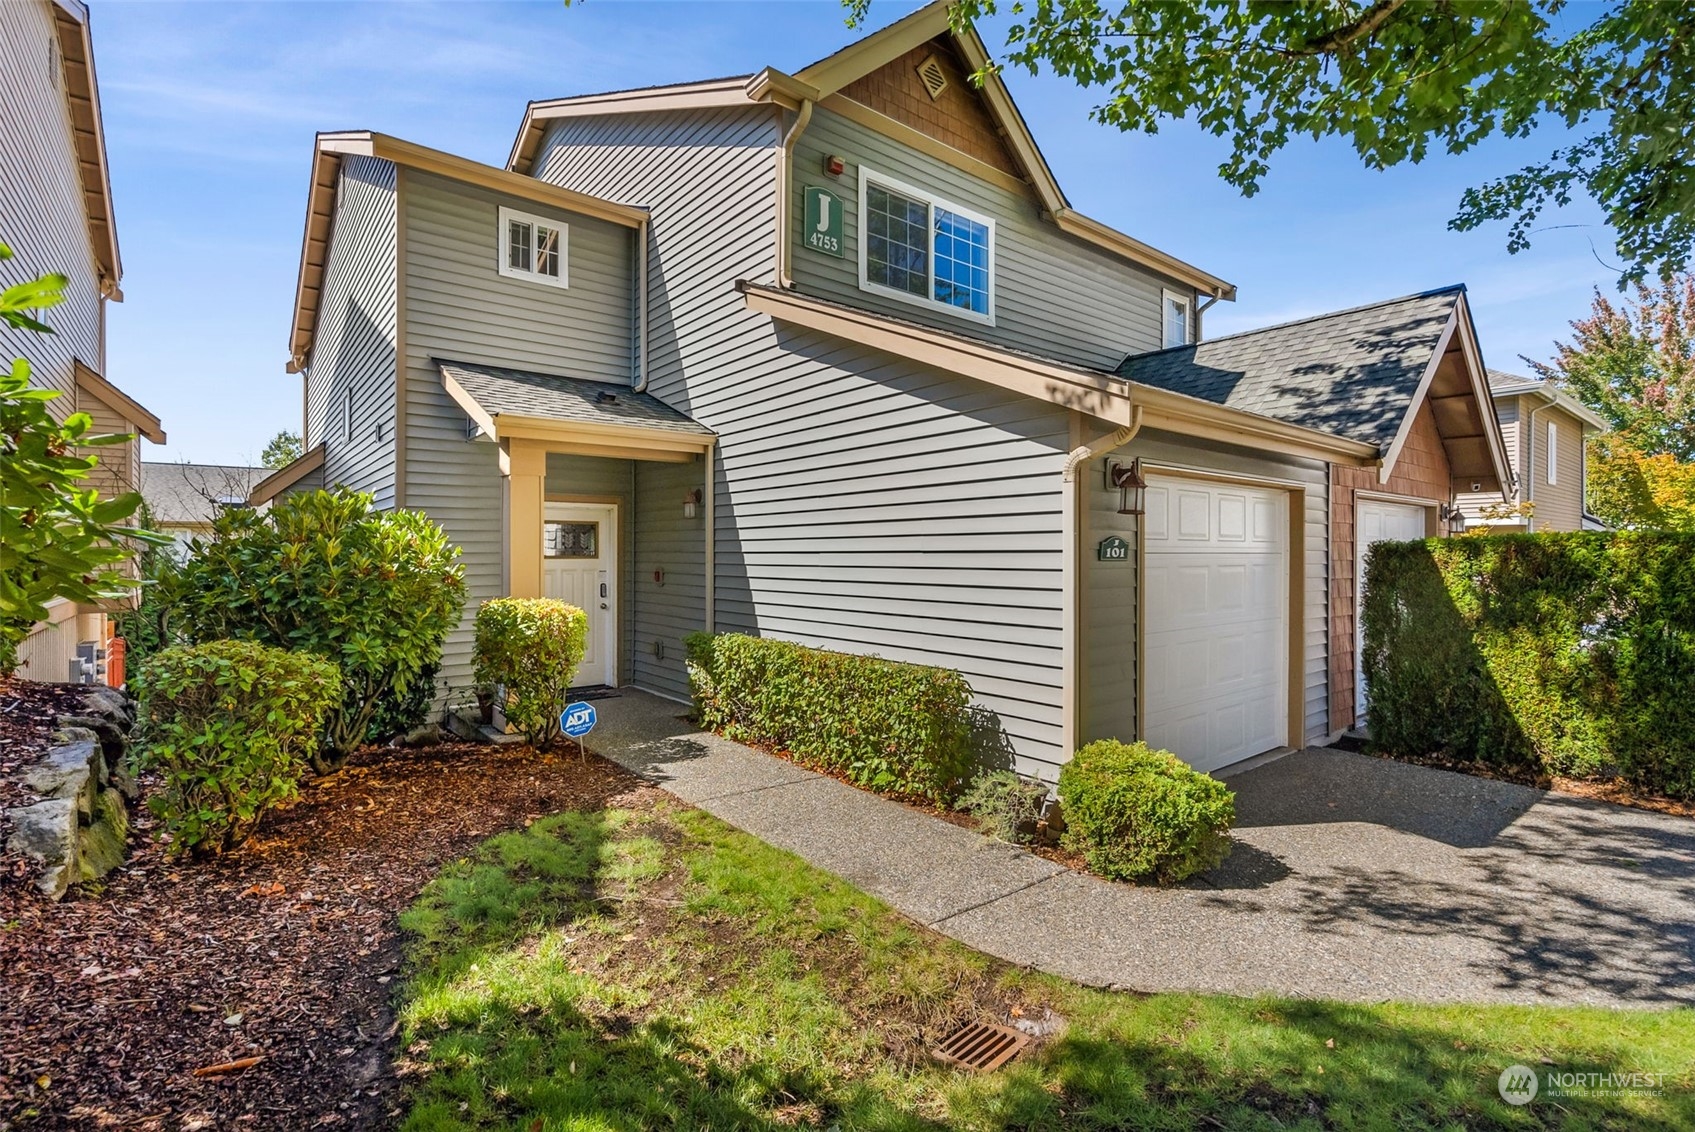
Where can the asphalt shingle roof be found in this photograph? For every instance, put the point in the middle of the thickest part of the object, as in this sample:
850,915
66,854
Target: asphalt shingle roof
1351,374
520,393
190,493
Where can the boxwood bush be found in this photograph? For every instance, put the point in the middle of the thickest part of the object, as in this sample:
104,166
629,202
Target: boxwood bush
882,724
531,648
1565,653
1135,813
231,726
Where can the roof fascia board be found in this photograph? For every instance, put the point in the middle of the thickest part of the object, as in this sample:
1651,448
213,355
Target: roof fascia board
1191,416
468,404
286,477
415,156
70,23
128,407
1387,467
1096,394
863,56
863,115
1480,389
1085,228
1556,397
689,96
508,426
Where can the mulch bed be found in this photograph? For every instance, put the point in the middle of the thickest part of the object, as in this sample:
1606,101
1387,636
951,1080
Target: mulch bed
286,950
1616,791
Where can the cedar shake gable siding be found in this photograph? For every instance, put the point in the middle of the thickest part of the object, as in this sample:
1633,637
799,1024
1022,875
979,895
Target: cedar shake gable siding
956,118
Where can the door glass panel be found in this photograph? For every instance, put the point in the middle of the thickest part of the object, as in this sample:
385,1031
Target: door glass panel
570,540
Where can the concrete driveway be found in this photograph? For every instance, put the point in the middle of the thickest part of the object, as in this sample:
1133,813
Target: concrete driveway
1352,878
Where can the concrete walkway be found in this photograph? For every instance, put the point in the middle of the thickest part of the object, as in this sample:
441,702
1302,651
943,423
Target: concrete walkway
1352,878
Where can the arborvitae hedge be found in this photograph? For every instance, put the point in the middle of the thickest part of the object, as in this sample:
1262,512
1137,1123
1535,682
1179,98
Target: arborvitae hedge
883,724
1565,653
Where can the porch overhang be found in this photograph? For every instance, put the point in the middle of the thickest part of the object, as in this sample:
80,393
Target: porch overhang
286,476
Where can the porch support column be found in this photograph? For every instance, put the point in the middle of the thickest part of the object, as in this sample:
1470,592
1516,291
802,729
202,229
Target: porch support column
526,501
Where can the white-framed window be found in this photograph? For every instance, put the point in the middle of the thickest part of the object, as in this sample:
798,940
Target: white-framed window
1177,319
533,248
1553,454
919,248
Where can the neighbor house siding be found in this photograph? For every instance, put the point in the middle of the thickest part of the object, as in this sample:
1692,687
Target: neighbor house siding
1474,503
1421,475
459,307
354,348
41,207
863,502
1054,295
1559,506
1108,616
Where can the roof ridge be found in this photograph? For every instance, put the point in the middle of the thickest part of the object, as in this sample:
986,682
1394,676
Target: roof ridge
1452,288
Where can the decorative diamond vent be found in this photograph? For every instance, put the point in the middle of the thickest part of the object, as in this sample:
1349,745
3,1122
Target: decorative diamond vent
935,79
980,1046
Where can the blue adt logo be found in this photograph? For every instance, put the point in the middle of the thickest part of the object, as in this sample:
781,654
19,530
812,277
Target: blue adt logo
577,720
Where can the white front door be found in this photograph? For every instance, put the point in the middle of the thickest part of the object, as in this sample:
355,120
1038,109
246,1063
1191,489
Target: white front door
580,566
1216,600
1376,521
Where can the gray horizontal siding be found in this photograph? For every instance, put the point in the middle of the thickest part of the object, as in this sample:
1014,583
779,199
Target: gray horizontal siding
41,211
355,345
1054,295
666,541
459,306
1108,618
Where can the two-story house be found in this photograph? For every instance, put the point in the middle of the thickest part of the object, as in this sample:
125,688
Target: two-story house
830,356
56,216
1547,433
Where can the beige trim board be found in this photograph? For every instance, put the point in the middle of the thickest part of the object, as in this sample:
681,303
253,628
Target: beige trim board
865,55
878,122
1191,416
88,141
1386,468
1098,395
120,402
286,477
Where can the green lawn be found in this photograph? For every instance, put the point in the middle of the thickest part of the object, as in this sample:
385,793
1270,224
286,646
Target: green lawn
657,969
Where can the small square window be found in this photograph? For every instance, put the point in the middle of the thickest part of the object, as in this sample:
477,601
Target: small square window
533,248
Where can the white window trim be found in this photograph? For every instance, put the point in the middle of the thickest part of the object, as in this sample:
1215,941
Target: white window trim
928,302
1552,455
1168,296
503,260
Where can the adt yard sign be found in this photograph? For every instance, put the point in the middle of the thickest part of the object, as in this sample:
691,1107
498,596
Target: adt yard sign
577,719
822,222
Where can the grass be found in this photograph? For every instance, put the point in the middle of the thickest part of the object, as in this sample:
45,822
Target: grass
654,968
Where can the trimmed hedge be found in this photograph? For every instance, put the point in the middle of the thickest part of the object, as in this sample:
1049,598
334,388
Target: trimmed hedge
531,646
232,725
1135,813
882,724
1565,653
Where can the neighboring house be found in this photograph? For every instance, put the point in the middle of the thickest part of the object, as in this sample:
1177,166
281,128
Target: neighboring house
183,499
1547,432
56,215
829,356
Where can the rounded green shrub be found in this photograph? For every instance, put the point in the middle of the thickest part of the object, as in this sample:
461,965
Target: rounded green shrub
232,726
325,572
531,648
1135,813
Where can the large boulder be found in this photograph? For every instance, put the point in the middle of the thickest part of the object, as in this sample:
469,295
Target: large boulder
47,833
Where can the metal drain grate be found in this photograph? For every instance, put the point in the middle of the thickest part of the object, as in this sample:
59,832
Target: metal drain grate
980,1045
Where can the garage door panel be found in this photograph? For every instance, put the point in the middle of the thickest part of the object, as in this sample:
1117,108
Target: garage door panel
1217,616
1376,521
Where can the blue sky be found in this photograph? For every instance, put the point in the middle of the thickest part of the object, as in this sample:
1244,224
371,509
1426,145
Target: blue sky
210,110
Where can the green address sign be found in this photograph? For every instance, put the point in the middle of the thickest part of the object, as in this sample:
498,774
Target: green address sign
1113,549
822,223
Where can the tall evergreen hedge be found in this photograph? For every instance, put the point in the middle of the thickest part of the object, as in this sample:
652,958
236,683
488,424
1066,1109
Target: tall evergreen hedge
1565,653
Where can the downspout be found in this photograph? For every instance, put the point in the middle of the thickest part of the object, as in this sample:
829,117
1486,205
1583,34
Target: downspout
641,308
783,173
1116,439
1530,472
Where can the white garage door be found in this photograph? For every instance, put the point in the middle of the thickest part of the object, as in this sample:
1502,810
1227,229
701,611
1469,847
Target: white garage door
1217,601
1376,521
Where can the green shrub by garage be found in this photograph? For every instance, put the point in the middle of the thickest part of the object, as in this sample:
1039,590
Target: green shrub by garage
530,648
1137,814
1558,653
231,726
882,724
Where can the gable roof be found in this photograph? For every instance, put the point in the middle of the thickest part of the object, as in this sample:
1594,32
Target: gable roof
1503,384
119,402
1360,373
499,391
330,148
823,80
88,141
194,493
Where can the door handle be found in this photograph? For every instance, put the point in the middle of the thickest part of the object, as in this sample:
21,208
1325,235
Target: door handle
603,591
603,605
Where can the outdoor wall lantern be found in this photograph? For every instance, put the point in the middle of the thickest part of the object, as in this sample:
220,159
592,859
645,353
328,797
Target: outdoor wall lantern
1132,488
691,503
1454,517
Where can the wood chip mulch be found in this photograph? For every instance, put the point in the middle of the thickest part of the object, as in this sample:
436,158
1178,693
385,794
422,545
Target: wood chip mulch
286,951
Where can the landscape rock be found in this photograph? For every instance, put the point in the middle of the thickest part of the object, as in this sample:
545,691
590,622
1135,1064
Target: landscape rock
114,744
46,833
72,771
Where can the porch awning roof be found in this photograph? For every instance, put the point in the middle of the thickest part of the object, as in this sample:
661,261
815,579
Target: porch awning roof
540,406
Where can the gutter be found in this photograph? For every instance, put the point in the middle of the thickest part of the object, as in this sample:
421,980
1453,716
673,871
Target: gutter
1115,439
1530,472
785,162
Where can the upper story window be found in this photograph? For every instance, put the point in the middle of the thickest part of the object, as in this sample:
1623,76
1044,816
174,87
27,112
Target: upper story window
1178,320
921,249
533,248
